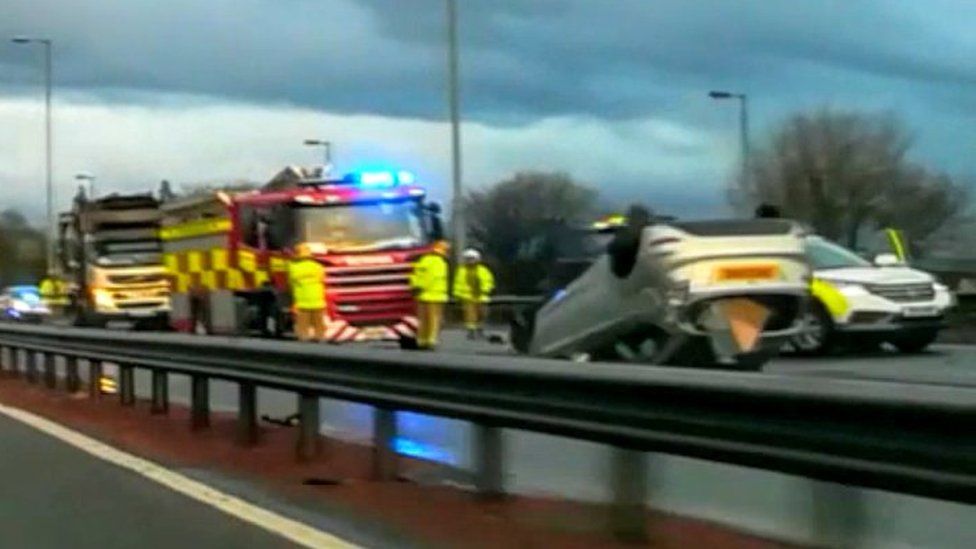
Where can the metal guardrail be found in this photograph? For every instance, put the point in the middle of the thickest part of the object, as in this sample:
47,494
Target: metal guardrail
914,439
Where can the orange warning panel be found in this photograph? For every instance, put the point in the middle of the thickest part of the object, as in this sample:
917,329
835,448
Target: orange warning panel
746,320
765,271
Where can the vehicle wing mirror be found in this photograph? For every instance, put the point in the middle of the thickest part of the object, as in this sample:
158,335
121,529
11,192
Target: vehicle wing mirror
887,260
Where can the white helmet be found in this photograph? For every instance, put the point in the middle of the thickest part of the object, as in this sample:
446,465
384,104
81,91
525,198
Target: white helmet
471,254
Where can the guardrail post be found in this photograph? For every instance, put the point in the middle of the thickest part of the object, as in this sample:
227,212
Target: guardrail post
32,358
384,440
628,486
838,514
160,392
94,379
309,443
199,402
72,379
127,385
17,362
489,452
4,362
247,414
50,371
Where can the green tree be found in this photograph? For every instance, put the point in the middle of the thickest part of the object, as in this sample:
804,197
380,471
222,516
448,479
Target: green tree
846,172
501,219
23,250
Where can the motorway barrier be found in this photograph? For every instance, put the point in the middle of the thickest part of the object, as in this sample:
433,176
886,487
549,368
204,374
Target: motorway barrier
908,438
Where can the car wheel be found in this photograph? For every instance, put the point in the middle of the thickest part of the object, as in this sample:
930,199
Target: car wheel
817,335
522,327
915,341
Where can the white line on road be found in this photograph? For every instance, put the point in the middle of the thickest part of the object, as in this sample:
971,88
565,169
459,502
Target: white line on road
290,529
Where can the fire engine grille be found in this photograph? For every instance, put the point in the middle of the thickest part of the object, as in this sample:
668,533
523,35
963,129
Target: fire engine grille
904,293
124,279
370,295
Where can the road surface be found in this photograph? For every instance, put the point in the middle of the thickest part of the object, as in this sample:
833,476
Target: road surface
56,495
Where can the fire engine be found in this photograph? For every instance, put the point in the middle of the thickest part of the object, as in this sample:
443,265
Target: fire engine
228,252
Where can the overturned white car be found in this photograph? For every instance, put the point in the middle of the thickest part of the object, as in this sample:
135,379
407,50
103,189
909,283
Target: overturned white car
707,293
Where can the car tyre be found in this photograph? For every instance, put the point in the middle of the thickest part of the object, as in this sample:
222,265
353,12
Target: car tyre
818,336
915,341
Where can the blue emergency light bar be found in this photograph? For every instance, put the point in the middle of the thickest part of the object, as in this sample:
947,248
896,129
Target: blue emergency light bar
381,179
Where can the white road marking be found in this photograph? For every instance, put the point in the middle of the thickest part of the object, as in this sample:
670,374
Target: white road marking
292,530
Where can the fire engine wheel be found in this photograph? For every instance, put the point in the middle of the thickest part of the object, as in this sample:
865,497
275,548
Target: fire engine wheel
408,343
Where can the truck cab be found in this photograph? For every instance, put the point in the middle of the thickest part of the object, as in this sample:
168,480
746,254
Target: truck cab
111,256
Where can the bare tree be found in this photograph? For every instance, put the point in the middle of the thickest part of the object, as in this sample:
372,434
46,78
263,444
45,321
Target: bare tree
844,172
503,217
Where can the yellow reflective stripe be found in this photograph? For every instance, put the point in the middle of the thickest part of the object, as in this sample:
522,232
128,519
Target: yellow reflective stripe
194,262
897,243
218,259
171,262
830,296
209,280
235,280
199,227
247,261
278,265
260,278
182,283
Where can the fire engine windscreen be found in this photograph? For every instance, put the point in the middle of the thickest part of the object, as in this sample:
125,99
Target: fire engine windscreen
363,226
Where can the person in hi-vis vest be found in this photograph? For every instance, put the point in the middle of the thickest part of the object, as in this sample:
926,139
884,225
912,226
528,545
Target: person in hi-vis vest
429,281
306,278
473,284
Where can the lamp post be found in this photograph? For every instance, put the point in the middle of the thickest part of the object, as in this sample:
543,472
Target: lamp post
46,43
85,176
454,104
327,151
743,128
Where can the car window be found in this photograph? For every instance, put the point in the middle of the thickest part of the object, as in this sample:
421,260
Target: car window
827,255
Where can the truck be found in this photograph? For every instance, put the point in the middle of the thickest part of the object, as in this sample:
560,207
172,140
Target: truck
109,252
228,251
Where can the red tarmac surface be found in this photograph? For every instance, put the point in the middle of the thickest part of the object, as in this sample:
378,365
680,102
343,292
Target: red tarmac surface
439,516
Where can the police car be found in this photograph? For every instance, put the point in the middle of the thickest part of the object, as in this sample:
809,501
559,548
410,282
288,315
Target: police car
22,303
864,304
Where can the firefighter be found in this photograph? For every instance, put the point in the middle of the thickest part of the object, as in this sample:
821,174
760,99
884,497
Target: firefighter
54,294
473,284
429,285
306,278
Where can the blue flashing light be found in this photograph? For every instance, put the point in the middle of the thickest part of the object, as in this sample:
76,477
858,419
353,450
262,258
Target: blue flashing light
413,448
381,179
377,179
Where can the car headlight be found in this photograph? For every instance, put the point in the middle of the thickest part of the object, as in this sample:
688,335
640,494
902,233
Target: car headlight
940,287
844,284
103,298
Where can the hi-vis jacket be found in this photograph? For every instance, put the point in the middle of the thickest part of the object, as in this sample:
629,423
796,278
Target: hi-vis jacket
306,277
473,283
429,278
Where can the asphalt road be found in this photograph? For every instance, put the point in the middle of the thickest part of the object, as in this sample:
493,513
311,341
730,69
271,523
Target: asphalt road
55,495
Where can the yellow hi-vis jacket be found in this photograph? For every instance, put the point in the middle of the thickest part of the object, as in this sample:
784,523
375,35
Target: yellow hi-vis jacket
306,277
473,283
54,292
429,278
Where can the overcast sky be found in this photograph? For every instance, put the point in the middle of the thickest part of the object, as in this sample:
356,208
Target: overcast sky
613,92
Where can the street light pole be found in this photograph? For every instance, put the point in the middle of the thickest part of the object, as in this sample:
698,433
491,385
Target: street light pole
91,183
744,144
326,145
454,101
48,146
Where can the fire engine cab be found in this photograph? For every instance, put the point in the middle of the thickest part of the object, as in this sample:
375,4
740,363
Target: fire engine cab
228,252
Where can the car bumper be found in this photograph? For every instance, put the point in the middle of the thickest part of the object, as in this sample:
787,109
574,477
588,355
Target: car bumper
896,325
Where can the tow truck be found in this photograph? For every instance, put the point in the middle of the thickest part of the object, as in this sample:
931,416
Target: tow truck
228,253
725,293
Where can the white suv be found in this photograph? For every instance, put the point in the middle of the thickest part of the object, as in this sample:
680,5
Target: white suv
864,304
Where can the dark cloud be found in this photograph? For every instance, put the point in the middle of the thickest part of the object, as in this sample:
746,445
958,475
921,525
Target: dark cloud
522,59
